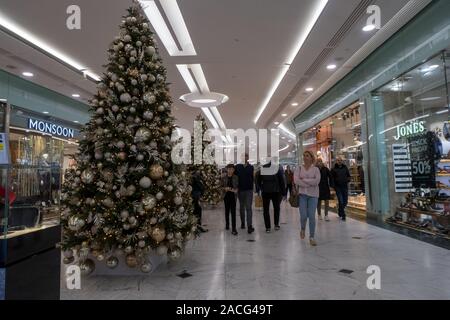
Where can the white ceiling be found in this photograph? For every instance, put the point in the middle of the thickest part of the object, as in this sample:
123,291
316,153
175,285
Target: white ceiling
241,45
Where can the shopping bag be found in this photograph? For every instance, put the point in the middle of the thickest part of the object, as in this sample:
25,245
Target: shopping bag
258,201
293,197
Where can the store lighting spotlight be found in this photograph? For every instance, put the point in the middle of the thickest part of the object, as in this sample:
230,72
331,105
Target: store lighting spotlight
369,27
309,89
45,112
295,104
28,74
331,67
284,114
75,95
276,123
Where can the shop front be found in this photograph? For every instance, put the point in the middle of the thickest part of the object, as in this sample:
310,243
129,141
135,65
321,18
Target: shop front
389,121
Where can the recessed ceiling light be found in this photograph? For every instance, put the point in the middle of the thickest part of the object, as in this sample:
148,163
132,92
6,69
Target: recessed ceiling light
276,123
203,100
331,67
45,112
430,99
284,114
289,141
76,121
361,103
430,68
295,104
283,138
75,95
309,89
369,27
27,74
3,100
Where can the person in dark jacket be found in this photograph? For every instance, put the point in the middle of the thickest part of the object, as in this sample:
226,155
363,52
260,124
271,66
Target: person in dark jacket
289,179
324,189
245,174
340,179
230,185
197,192
273,187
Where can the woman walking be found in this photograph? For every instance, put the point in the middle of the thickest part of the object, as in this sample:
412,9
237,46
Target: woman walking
307,178
230,184
324,189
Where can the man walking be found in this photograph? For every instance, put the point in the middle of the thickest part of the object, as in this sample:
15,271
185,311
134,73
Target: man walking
245,194
340,179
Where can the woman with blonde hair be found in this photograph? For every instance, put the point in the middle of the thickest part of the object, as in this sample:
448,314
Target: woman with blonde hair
307,178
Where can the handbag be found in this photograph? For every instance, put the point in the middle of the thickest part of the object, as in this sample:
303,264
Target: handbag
258,201
293,197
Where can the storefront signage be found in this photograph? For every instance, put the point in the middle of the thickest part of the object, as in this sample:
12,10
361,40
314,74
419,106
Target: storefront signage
410,129
50,128
421,150
402,167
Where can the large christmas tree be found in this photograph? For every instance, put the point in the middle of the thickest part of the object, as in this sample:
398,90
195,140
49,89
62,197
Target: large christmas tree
126,196
209,172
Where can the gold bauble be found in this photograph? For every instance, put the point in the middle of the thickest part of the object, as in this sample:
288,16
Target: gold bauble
131,261
156,172
158,234
165,130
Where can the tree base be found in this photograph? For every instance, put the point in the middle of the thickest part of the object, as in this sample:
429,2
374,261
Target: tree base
101,269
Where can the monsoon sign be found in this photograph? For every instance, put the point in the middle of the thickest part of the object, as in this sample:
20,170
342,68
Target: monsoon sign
50,128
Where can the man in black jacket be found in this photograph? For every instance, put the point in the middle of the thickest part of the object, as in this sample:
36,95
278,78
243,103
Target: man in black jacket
273,187
340,179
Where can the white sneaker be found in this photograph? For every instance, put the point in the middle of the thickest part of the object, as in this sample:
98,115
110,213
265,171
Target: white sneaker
326,218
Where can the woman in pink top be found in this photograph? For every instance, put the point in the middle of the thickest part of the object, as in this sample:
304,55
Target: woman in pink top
307,179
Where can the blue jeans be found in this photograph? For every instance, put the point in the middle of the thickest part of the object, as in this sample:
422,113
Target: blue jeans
307,208
342,196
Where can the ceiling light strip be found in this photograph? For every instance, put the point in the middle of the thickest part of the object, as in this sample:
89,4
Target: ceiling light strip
287,131
175,18
320,6
187,77
28,38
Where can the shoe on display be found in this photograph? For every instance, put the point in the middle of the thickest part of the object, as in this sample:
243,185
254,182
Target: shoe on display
435,208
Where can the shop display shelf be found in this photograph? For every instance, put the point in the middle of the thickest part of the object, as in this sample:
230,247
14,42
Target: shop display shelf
436,201
417,211
416,228
444,161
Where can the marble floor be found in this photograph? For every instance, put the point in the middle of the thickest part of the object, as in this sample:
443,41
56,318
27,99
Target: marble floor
281,266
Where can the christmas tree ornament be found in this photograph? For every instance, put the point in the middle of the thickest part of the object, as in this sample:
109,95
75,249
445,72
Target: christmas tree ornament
140,157
128,250
100,111
133,148
153,145
127,38
146,267
158,234
68,253
156,171
100,257
131,189
141,244
149,202
153,221
115,108
138,43
159,196
122,156
137,120
126,226
142,135
87,267
120,145
145,182
165,130
99,121
108,203
149,97
124,214
148,115
132,220
125,97
178,201
169,236
150,51
169,188
131,261
112,262
75,223
133,110
161,108
178,235
181,209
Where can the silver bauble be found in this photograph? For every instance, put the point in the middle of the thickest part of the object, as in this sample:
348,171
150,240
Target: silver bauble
112,262
120,144
100,257
178,235
132,220
141,244
178,200
108,203
87,176
115,108
150,51
126,226
153,145
146,267
161,108
138,44
144,77
169,188
152,78
159,195
87,267
132,59
128,249
145,182
149,97
132,109
75,223
124,214
181,209
153,220
125,97
148,115
99,121
140,157
127,38
137,120
68,253
100,111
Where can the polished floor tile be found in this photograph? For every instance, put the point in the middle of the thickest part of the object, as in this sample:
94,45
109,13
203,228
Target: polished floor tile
281,266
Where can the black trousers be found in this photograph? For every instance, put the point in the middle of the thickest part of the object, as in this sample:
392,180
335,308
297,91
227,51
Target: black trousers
275,197
197,209
230,208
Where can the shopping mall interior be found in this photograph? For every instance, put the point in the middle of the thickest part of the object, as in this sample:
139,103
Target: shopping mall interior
224,150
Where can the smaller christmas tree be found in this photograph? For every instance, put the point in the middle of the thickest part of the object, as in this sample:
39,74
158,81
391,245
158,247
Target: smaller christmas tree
210,172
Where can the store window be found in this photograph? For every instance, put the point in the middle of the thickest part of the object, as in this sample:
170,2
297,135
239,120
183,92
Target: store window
413,132
340,136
